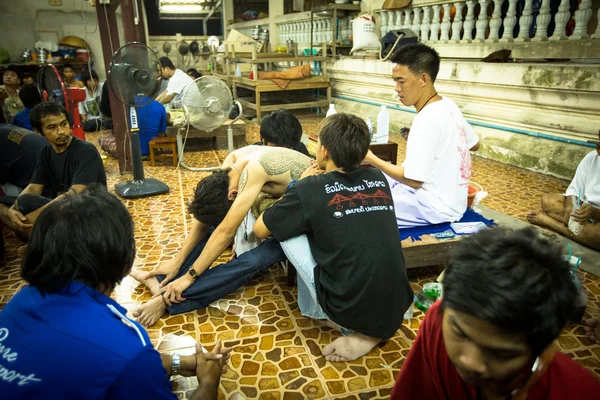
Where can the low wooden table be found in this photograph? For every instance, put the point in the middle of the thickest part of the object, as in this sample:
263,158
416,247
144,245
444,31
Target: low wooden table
268,86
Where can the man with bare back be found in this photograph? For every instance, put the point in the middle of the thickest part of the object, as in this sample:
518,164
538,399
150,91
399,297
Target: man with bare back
221,204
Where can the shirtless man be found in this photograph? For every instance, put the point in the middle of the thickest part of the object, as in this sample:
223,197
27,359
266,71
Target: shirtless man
221,202
557,208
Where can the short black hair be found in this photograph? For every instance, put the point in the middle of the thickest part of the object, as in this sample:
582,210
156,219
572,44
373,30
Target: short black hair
194,72
13,68
347,139
515,280
43,110
281,128
27,75
211,204
87,237
166,62
65,66
88,75
418,58
30,96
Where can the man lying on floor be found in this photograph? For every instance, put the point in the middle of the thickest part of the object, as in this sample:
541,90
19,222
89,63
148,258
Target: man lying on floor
344,217
557,208
221,205
63,337
507,295
431,185
66,165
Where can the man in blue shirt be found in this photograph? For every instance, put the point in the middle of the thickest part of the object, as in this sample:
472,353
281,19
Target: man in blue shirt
62,337
152,120
30,97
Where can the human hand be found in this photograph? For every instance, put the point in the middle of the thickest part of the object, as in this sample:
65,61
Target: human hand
583,213
169,269
370,158
19,221
209,366
312,170
173,291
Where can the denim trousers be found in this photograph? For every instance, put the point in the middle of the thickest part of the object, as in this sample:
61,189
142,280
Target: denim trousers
297,251
217,282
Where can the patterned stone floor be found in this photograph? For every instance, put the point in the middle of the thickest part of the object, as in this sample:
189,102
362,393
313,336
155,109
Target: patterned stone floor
277,351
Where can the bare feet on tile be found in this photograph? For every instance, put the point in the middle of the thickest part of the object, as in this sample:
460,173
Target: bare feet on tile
148,314
151,283
540,218
592,329
349,348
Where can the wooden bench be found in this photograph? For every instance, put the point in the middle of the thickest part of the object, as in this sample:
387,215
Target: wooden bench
158,145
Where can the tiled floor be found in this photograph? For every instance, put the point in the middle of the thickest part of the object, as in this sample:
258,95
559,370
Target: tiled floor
277,351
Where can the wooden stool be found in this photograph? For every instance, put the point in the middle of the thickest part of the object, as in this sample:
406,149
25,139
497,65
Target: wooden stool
163,143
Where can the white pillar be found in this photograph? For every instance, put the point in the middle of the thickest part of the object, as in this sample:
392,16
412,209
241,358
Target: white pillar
383,23
435,23
560,21
482,21
398,20
470,21
525,22
542,21
496,21
407,18
510,21
458,22
446,23
582,17
596,34
416,24
426,24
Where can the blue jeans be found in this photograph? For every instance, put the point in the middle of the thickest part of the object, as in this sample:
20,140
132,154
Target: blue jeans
216,283
297,250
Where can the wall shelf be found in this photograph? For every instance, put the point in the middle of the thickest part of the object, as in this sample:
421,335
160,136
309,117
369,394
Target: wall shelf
249,24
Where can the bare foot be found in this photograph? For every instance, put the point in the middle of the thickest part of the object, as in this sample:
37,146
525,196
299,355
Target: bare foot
349,348
151,283
592,329
538,218
148,314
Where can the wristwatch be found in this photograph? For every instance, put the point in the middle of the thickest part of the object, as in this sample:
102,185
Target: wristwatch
175,364
193,273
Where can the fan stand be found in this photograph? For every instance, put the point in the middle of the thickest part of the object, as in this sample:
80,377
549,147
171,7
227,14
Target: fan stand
229,142
139,186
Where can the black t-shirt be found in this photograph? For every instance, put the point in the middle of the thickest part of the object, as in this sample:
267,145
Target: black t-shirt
79,164
19,149
360,277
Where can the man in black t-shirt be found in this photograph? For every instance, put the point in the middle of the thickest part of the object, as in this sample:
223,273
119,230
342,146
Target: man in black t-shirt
66,165
19,149
343,215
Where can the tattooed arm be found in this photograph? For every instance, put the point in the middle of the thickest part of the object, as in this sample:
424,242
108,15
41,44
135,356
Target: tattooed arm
251,182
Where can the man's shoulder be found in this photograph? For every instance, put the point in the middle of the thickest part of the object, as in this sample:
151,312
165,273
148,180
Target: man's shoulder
570,376
83,146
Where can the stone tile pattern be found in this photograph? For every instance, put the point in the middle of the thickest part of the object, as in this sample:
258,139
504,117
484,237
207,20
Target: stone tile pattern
276,350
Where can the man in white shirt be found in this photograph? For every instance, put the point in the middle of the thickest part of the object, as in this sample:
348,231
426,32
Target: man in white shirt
177,79
557,208
431,185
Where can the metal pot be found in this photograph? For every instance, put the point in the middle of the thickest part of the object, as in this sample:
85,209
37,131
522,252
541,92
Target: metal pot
42,55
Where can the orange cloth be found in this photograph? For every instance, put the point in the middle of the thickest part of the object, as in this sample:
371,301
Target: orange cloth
283,78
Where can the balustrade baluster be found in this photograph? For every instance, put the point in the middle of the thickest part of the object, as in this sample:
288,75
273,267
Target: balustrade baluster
542,21
435,23
561,18
582,17
509,22
446,23
457,23
426,24
470,22
496,21
416,24
482,21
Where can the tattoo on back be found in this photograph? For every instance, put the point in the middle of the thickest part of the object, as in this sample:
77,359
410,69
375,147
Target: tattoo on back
277,163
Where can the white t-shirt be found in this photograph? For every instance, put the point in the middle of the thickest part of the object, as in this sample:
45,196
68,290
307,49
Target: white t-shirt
587,179
91,106
437,154
177,84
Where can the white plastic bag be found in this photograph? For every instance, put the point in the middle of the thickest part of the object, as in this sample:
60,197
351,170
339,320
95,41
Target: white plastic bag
364,32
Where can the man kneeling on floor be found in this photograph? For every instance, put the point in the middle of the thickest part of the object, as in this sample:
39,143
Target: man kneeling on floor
63,337
344,217
221,207
507,296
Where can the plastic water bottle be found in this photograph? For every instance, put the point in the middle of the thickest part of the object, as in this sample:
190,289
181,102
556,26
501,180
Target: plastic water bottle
238,71
383,126
331,110
370,126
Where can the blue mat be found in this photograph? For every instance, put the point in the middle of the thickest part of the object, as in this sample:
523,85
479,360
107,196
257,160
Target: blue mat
418,231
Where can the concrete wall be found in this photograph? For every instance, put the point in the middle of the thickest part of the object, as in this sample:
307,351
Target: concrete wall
558,100
21,20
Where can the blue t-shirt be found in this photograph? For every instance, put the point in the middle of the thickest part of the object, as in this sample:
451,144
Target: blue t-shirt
76,344
22,119
152,120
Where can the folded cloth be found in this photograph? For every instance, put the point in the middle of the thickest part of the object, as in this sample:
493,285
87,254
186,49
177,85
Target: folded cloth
283,78
418,231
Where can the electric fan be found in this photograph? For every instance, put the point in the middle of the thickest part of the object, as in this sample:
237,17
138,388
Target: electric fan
52,88
134,76
207,103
